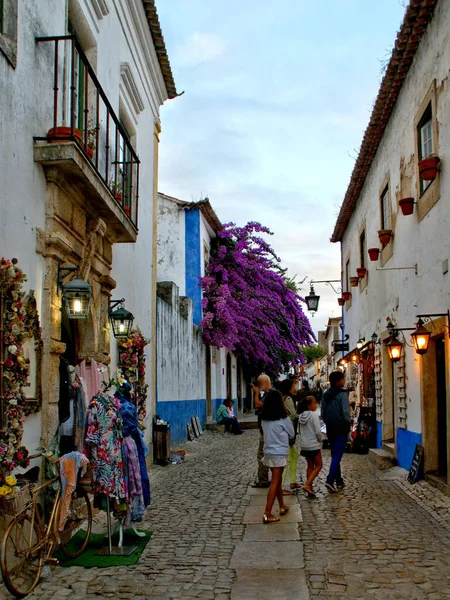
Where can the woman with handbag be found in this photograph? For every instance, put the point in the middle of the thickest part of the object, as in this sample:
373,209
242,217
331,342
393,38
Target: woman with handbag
288,389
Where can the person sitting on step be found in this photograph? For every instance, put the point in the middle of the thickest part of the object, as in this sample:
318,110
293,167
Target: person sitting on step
223,418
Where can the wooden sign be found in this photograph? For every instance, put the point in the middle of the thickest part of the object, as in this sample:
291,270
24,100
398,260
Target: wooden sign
416,470
341,347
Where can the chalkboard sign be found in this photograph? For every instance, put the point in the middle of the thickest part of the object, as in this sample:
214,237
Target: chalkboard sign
415,472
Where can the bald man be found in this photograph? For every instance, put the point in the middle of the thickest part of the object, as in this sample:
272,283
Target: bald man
262,386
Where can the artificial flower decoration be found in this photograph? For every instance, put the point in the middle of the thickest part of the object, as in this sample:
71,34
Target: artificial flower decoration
132,365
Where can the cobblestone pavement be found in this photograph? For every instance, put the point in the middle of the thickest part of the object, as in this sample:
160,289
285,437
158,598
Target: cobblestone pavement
373,541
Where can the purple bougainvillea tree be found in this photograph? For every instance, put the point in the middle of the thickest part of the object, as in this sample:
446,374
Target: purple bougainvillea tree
248,306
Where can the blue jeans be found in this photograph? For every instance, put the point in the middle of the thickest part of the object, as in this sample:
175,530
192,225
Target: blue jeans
231,424
337,444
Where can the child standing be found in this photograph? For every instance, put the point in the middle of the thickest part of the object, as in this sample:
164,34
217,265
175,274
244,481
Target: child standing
311,441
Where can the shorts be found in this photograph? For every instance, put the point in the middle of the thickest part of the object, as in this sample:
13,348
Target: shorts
274,462
310,453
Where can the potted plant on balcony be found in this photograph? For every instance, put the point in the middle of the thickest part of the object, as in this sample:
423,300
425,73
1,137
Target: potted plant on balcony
354,281
374,253
346,296
116,189
361,272
407,206
429,167
63,134
91,142
385,235
341,301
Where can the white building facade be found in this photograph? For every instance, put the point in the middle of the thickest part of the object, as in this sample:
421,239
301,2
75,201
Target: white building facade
192,379
409,277
82,82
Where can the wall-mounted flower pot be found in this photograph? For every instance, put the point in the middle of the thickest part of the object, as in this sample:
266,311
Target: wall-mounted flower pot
346,296
407,206
341,301
374,253
62,134
385,235
354,281
429,167
361,272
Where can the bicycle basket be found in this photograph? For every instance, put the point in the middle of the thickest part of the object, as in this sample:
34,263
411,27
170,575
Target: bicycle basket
16,501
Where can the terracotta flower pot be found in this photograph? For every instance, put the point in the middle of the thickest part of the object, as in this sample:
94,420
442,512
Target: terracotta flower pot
354,281
127,209
407,206
346,296
90,152
341,301
374,253
62,134
119,197
429,167
361,272
384,235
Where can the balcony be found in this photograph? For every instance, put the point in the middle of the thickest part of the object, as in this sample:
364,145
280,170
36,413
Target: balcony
87,147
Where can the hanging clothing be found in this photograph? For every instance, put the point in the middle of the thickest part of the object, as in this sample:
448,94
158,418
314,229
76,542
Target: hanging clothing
92,375
65,390
69,468
133,482
103,446
73,427
131,429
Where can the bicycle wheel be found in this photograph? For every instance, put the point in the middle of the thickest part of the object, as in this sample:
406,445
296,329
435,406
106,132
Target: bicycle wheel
21,556
78,526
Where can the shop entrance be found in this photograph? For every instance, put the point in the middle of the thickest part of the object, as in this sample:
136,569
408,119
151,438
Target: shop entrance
441,393
208,381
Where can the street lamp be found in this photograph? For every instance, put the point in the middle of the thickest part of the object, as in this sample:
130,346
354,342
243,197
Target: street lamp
395,349
360,343
121,319
312,301
76,294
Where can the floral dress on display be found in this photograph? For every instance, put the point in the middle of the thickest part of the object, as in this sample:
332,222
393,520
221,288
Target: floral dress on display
103,446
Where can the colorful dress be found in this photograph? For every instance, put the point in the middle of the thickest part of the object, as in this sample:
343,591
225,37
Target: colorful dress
103,446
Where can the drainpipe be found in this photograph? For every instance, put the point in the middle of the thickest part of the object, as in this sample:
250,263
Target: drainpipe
343,307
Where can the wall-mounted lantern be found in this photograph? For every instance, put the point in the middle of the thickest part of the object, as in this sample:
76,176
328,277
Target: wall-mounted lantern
395,349
360,343
421,338
76,294
121,319
312,301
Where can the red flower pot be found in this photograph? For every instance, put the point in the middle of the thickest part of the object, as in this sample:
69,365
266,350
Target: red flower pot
63,134
346,296
90,152
361,272
384,235
429,167
407,206
374,253
341,301
118,196
354,281
127,209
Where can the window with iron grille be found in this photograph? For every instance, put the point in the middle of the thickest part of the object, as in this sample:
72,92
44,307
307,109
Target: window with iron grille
385,209
362,249
425,139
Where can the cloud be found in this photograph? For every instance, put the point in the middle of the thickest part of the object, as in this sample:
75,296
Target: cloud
200,48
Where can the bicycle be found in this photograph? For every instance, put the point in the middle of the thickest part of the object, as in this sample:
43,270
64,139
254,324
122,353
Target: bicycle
29,543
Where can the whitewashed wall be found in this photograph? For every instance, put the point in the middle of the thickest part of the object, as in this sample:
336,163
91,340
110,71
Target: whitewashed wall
171,244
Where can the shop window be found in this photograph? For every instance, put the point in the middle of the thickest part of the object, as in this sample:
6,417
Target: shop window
385,209
8,30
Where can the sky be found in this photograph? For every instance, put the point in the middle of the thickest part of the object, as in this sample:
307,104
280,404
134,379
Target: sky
277,98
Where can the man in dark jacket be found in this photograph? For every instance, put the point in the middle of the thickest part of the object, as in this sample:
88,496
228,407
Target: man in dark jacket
335,412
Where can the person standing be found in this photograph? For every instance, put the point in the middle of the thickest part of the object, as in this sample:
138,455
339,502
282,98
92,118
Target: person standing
288,389
335,412
262,386
278,430
311,441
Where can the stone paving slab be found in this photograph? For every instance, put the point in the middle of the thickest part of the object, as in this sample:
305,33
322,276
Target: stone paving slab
268,555
284,584
278,532
254,514
261,500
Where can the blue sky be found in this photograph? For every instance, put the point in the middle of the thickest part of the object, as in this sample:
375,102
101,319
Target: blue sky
277,97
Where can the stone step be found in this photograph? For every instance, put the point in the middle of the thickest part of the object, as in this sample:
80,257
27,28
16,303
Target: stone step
383,459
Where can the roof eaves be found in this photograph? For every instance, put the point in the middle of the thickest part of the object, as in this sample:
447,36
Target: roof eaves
160,47
417,18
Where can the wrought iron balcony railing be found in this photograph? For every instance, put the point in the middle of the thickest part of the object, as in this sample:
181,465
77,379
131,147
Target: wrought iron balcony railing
83,114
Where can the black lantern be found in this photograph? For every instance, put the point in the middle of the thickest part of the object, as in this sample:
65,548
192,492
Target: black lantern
374,338
395,349
421,338
121,319
77,296
360,343
312,301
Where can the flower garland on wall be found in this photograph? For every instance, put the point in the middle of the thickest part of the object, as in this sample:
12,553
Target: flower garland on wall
133,366
15,368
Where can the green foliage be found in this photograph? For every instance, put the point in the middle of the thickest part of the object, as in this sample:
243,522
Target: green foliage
313,352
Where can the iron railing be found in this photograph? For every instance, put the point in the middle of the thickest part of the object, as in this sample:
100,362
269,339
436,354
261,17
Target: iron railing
83,114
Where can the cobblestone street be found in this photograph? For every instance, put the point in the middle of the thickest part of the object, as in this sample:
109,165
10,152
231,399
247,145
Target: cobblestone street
372,541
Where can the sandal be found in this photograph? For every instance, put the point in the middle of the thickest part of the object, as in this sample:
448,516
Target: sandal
308,489
296,486
289,492
260,485
270,519
284,510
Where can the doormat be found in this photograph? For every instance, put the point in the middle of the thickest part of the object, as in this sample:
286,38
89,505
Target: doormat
88,560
